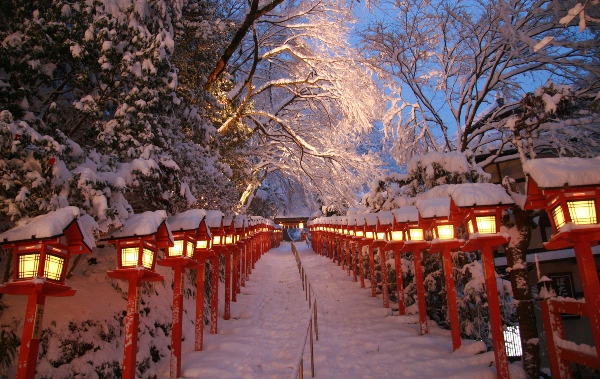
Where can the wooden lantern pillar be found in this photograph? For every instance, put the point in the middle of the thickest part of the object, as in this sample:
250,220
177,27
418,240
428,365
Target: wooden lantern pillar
41,259
407,235
569,190
384,225
202,252
445,241
370,229
136,261
359,234
481,206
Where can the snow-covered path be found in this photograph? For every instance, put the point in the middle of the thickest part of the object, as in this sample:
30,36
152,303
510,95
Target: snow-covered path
358,338
262,338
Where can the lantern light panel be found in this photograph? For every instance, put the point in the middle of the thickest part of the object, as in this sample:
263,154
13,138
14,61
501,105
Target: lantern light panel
582,212
416,234
445,232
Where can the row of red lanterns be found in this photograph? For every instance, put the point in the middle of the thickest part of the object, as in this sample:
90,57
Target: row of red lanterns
41,262
469,219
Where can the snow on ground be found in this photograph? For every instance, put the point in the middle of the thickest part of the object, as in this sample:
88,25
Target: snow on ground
264,333
358,338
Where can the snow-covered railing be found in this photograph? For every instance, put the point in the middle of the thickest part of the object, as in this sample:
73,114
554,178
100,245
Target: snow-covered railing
298,372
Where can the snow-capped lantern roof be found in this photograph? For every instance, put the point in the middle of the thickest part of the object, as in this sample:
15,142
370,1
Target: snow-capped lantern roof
563,172
351,220
434,207
240,220
371,219
62,222
408,213
151,223
214,218
188,220
360,220
479,194
385,217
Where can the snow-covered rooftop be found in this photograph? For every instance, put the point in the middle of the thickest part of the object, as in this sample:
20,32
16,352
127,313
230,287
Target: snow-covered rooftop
371,219
477,194
558,172
187,220
385,217
408,213
52,224
434,207
141,224
213,218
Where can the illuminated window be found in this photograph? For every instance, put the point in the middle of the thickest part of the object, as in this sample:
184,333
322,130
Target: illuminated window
228,240
486,224
28,265
369,235
381,236
397,235
359,233
216,240
559,217
202,244
129,256
177,250
582,212
445,232
53,267
416,234
148,258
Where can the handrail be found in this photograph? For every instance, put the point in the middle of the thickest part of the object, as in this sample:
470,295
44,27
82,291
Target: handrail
298,372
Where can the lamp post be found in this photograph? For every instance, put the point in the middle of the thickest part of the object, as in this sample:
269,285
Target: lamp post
384,224
352,260
445,241
482,205
369,238
179,257
137,245
406,235
569,190
41,251
214,221
359,238
202,253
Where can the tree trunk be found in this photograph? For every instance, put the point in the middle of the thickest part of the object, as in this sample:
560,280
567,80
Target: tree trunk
516,255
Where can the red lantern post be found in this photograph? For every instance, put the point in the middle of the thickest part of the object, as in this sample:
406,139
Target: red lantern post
384,224
137,245
359,238
179,257
407,235
569,190
482,205
202,253
214,221
41,252
445,241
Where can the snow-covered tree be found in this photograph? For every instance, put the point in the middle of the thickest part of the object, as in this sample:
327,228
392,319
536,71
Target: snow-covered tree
302,96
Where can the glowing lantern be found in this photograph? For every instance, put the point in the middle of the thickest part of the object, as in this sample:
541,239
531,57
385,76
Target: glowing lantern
41,252
481,206
436,212
137,244
569,190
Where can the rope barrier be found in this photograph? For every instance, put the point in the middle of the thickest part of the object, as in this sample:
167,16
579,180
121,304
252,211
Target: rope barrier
298,372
